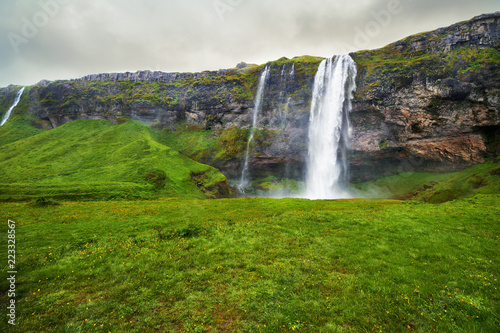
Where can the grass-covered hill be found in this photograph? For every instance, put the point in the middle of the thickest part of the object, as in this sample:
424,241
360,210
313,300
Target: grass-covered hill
95,159
435,187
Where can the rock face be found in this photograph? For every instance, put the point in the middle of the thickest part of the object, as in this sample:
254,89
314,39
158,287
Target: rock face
428,102
431,103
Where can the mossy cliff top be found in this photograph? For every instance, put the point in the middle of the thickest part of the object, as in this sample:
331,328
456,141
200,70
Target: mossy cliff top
200,98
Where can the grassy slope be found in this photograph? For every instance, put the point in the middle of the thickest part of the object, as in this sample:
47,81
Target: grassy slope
256,265
435,187
398,186
207,146
13,131
88,156
478,179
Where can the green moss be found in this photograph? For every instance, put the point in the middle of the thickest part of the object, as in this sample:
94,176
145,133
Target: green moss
272,185
477,60
232,143
402,186
396,68
383,144
48,100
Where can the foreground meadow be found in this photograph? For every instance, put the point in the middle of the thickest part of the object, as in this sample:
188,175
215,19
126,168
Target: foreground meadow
255,265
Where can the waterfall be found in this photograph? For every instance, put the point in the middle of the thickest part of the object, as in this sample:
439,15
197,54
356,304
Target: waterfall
283,108
329,129
283,73
244,182
16,100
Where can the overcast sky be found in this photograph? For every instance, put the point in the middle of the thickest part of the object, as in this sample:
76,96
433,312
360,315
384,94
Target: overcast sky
63,39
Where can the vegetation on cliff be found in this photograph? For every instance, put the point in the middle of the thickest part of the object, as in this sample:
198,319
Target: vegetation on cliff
213,147
208,92
390,68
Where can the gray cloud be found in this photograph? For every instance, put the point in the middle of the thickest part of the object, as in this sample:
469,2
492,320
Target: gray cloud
91,36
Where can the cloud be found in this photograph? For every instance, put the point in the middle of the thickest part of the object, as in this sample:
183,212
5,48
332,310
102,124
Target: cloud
82,37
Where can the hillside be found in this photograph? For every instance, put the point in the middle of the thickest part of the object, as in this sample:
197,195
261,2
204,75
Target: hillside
435,187
97,159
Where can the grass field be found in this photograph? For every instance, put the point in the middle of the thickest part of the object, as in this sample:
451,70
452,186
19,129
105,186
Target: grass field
255,265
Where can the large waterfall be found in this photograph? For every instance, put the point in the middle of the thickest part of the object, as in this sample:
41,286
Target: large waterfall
7,114
244,182
329,129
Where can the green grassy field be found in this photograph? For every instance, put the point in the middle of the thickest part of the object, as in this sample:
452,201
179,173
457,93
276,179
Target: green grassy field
255,265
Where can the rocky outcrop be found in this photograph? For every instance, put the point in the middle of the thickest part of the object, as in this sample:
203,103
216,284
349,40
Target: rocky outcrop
428,102
431,103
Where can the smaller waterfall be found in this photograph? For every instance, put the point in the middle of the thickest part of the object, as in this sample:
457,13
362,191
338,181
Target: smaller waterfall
17,99
283,72
244,182
283,108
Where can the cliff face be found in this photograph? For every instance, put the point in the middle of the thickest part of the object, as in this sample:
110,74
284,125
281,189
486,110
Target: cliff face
428,102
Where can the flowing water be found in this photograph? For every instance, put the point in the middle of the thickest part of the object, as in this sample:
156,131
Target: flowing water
17,99
244,181
329,129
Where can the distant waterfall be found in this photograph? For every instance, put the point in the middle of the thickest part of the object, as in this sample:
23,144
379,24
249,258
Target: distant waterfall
329,128
16,100
244,182
283,108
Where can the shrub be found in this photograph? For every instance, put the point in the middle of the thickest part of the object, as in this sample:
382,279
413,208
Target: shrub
44,202
157,179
